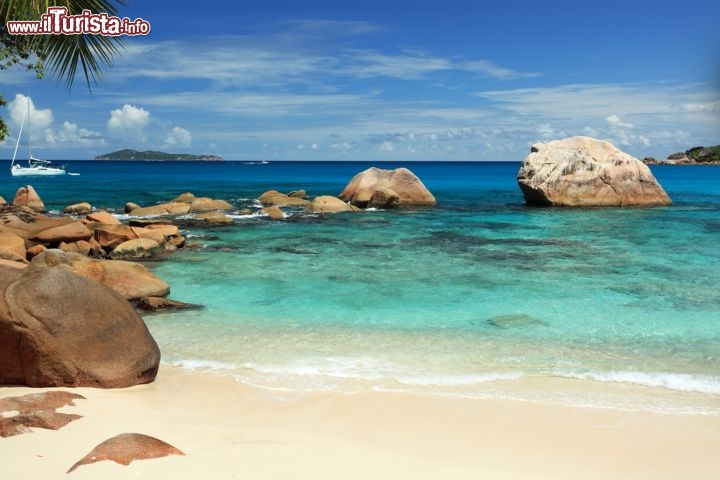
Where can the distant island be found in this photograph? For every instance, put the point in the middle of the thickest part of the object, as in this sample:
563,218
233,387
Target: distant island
694,156
129,154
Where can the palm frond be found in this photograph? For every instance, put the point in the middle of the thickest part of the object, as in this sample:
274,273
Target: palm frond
62,54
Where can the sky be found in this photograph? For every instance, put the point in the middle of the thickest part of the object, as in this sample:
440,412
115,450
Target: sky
388,80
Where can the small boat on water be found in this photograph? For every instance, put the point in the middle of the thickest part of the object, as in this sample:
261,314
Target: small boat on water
35,166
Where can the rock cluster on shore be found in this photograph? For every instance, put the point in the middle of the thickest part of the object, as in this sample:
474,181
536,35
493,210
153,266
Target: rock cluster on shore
58,328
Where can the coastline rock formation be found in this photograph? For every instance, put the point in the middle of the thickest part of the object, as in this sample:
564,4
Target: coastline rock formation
695,156
583,171
58,328
378,188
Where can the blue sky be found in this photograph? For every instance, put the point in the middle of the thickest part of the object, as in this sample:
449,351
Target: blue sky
390,80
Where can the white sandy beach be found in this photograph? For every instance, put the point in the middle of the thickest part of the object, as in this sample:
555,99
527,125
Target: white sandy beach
230,430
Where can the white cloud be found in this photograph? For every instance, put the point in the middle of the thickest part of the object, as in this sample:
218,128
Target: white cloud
314,146
178,137
386,147
128,122
342,146
616,122
39,119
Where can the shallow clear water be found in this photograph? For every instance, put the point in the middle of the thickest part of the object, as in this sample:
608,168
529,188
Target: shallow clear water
468,298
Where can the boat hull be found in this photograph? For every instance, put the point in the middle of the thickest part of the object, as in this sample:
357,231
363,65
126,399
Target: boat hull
37,171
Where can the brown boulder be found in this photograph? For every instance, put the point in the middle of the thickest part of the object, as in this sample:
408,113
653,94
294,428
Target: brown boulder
70,232
81,246
27,197
401,182
2,201
144,232
273,212
58,328
384,198
137,248
130,206
214,218
267,195
186,197
129,279
298,194
110,236
282,200
204,204
82,208
35,250
329,204
171,208
583,171
101,216
168,230
12,247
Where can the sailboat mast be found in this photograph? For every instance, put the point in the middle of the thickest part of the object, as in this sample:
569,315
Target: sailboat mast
29,139
17,144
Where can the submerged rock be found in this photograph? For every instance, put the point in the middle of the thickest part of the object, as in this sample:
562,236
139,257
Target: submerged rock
583,171
514,320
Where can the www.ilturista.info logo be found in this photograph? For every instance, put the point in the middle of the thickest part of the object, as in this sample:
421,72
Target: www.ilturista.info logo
57,22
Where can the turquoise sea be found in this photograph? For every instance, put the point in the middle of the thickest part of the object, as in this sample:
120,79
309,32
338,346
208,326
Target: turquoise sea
481,296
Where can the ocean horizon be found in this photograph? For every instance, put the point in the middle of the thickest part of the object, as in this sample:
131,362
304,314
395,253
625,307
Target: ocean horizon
481,296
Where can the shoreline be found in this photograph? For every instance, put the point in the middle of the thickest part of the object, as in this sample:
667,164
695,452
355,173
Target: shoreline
231,430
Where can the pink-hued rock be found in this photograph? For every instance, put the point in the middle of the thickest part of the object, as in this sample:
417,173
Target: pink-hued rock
58,328
110,236
401,182
583,171
130,279
70,232
127,447
27,197
36,410
101,216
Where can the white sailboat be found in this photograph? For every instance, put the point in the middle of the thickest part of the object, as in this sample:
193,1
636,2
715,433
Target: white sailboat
35,166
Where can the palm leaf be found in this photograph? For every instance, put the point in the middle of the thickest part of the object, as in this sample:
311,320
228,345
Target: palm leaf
62,54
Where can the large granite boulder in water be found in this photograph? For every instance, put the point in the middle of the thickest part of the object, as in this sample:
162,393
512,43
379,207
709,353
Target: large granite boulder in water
583,171
58,328
380,188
